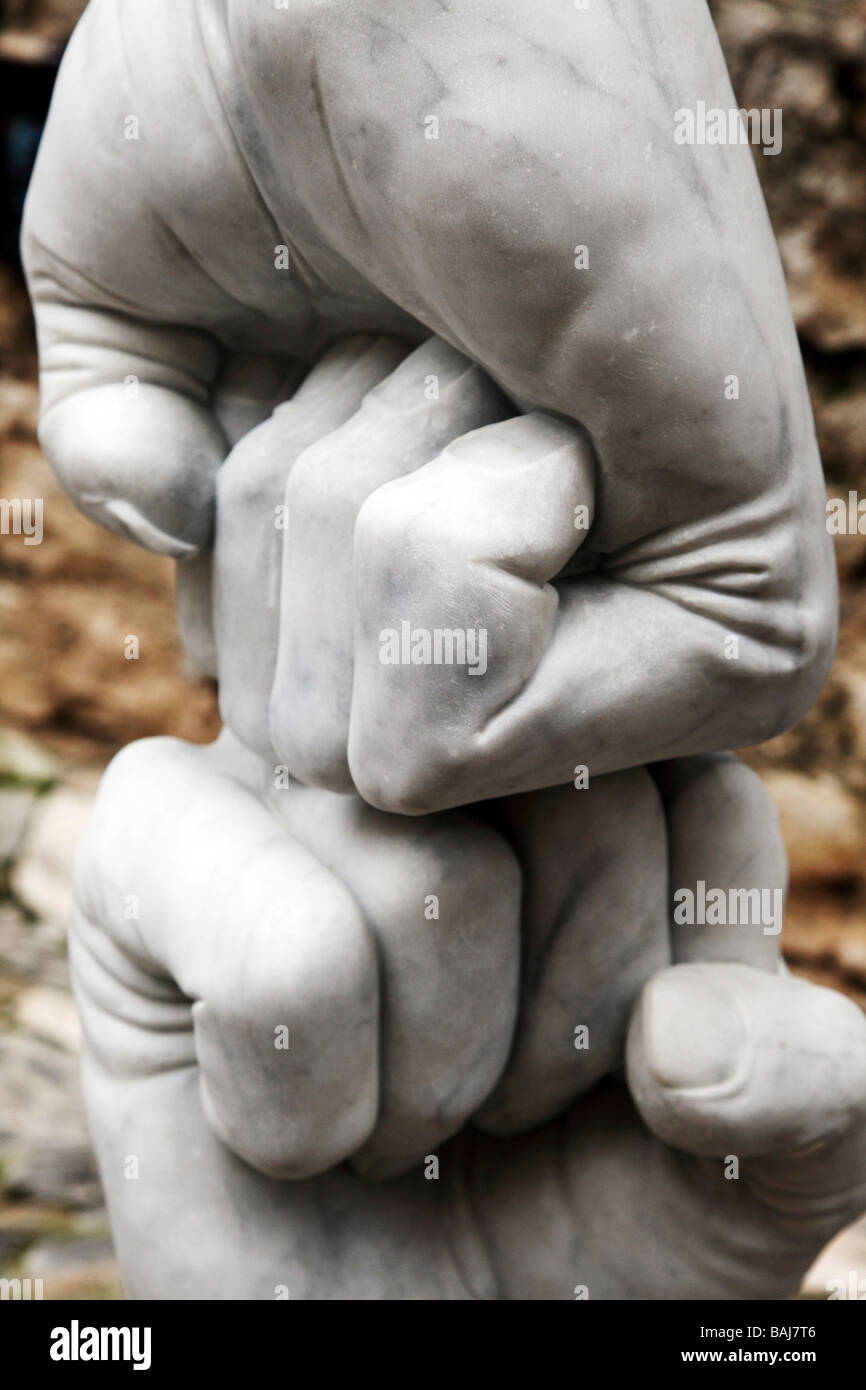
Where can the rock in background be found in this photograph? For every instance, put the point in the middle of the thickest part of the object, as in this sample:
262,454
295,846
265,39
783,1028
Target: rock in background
808,57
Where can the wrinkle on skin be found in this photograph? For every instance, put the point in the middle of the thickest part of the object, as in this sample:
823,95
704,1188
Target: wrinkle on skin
473,234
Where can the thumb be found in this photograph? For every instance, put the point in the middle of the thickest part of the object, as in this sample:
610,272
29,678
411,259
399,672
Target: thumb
126,387
126,422
725,1060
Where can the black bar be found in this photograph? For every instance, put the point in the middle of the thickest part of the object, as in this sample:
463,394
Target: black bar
604,1339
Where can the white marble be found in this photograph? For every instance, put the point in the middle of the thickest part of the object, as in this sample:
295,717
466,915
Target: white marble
410,329
305,909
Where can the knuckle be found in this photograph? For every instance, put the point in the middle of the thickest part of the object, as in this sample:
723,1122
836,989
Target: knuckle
397,515
415,784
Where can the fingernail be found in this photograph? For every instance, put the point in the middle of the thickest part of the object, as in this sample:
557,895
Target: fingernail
125,519
693,1032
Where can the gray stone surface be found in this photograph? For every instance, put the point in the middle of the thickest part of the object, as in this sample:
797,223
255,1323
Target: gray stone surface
43,873
53,1224
448,959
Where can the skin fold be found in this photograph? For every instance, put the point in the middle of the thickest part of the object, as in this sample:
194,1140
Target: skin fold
342,364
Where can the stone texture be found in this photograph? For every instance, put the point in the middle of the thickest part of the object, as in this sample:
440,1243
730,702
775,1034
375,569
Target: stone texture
43,871
44,1147
802,64
49,1014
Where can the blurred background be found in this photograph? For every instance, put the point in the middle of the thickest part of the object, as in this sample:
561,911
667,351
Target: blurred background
69,699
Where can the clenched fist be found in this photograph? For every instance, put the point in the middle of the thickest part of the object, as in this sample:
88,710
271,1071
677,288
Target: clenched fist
390,580
408,331
284,997
351,979
224,188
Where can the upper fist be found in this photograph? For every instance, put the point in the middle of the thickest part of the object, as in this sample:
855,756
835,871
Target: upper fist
223,189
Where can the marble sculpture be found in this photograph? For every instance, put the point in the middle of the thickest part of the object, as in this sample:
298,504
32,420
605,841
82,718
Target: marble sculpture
468,400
